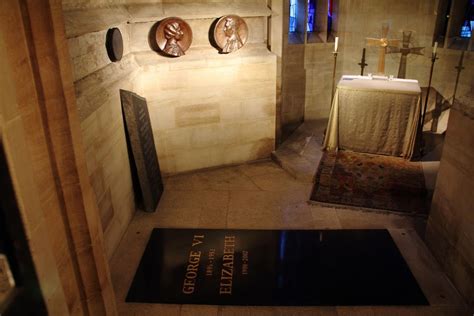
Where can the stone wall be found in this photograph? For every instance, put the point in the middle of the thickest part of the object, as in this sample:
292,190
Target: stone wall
293,88
359,19
319,63
97,85
41,136
293,79
450,230
207,109
275,35
93,4
28,193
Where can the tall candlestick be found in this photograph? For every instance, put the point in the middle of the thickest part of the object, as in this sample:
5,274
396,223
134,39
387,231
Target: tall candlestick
435,47
423,113
362,63
334,75
336,44
459,68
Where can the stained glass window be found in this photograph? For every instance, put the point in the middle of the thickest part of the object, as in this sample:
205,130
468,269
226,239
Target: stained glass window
466,28
329,16
292,27
311,15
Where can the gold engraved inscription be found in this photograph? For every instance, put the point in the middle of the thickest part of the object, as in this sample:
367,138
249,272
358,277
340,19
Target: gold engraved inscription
192,269
210,266
245,262
227,272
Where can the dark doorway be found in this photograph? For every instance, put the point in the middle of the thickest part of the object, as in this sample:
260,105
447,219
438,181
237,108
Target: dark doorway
26,297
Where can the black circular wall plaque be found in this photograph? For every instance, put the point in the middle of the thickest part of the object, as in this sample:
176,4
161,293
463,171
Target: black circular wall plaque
114,44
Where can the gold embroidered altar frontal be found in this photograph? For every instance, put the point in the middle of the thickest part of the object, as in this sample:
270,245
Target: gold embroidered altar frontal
374,116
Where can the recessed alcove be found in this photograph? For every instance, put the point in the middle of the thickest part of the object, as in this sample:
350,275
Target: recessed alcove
216,120
208,109
190,99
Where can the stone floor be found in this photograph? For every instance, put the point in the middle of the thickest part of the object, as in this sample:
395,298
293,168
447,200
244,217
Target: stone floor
301,152
263,195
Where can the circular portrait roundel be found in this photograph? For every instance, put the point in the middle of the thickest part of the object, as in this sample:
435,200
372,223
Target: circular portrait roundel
174,36
231,33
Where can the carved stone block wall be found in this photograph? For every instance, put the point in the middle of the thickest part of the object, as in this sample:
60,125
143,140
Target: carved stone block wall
360,19
206,109
97,84
40,133
106,151
209,109
293,88
28,195
450,231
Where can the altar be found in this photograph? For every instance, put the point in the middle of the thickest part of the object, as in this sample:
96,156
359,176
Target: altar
374,115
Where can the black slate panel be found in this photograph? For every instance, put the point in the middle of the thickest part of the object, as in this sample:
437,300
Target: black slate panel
271,267
142,145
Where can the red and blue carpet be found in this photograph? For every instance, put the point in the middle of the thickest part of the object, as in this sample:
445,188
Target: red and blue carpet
371,182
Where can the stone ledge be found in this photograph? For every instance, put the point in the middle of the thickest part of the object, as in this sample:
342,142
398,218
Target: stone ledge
301,152
87,87
80,22
465,105
92,91
156,12
208,57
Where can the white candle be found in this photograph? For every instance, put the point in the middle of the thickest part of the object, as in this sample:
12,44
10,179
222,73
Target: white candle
336,44
435,47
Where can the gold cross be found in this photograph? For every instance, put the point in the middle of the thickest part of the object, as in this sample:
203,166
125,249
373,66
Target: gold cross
382,43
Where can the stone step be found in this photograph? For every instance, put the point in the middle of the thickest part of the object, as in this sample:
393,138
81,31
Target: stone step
300,153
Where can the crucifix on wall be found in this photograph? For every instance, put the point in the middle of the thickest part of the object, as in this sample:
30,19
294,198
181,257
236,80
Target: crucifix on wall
382,43
405,50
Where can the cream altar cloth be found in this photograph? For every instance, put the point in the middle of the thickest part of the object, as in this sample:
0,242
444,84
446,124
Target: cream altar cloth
376,116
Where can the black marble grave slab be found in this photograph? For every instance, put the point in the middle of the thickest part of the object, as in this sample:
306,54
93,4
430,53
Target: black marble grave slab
141,143
272,267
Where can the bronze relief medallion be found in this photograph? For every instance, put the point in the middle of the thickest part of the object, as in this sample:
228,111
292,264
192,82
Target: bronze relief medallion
231,33
174,36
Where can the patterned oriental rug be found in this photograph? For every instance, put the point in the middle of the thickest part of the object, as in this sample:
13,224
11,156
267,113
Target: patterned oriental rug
371,182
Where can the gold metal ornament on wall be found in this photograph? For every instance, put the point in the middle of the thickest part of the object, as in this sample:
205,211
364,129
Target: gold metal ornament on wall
173,36
230,33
